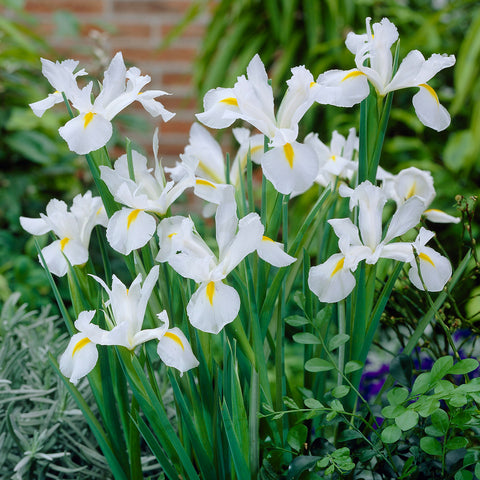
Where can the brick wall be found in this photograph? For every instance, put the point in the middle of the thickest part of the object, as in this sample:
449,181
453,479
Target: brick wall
135,27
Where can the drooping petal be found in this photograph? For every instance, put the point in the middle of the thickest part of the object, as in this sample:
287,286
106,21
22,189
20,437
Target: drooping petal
435,270
129,229
273,252
86,132
41,106
220,107
175,351
291,168
55,253
429,110
330,281
79,358
213,306
437,216
342,88
35,226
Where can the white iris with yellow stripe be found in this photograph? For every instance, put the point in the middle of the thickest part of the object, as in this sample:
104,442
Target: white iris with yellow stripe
125,314
148,193
289,165
215,304
374,61
72,228
333,280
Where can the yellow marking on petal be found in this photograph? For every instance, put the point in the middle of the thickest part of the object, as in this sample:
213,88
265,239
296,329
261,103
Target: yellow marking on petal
312,84
412,190
63,243
210,292
230,101
266,239
288,150
256,148
334,158
132,216
79,345
338,266
431,91
88,119
202,181
175,338
210,172
426,258
353,74
99,211
171,235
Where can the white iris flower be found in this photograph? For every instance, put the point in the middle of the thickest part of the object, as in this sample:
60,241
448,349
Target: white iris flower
347,88
289,165
73,229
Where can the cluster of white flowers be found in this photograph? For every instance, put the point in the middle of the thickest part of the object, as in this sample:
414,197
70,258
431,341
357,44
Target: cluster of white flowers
291,166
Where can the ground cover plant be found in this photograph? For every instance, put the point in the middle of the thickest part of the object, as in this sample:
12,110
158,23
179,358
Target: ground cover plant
262,326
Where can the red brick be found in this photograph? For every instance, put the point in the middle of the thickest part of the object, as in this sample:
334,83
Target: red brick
146,54
175,104
177,79
173,126
138,30
74,6
151,6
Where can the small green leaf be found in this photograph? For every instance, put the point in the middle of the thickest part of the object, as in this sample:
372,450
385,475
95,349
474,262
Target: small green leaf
444,387
297,321
433,431
306,338
397,396
290,402
318,365
463,475
466,365
421,384
407,420
353,366
431,446
440,420
391,434
313,403
393,411
461,418
296,436
456,442
331,415
338,340
457,400
440,368
477,470
340,391
337,406
323,463
425,406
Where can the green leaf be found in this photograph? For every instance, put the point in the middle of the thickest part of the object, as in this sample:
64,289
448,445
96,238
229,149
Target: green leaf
444,387
440,420
425,406
464,366
477,470
431,446
457,400
456,442
353,366
313,403
297,436
337,406
397,396
393,411
297,321
440,368
300,464
407,420
318,365
421,384
306,338
433,431
391,434
340,391
463,475
338,340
